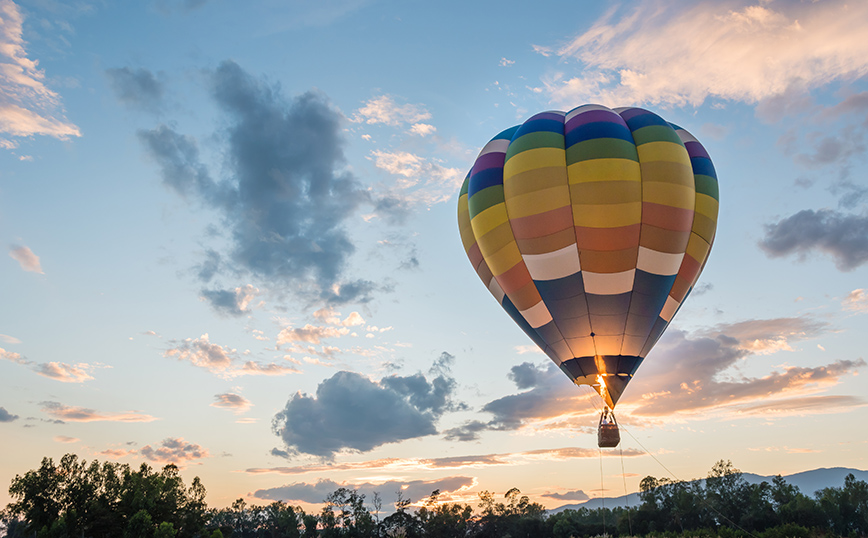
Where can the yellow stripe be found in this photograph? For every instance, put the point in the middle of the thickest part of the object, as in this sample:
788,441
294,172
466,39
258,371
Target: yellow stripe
668,194
464,227
697,248
606,192
534,158
663,151
489,219
704,226
604,169
706,205
496,239
607,215
538,202
534,180
504,259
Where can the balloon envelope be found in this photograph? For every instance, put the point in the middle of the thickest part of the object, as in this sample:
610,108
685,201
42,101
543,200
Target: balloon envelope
590,228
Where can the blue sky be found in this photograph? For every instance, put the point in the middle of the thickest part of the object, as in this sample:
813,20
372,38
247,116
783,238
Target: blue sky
231,242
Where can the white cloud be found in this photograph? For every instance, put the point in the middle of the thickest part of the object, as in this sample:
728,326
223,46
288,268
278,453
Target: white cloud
201,352
749,53
27,106
82,414
229,400
310,334
66,373
174,450
26,259
506,63
422,129
9,339
856,301
353,320
65,439
420,180
384,110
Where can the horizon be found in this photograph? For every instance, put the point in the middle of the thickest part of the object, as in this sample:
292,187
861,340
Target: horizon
231,243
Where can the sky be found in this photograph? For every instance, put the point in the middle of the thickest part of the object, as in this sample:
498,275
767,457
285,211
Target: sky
230,242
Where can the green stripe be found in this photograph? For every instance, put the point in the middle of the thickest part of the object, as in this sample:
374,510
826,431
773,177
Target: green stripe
707,185
484,199
601,148
656,133
465,187
538,139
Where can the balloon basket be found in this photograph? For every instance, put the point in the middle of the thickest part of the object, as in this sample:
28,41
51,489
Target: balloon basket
608,435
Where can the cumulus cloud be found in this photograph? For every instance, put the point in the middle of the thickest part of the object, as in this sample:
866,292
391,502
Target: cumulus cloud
6,416
174,450
419,181
231,302
288,193
27,106
351,412
714,52
310,334
138,88
69,413
229,400
317,492
856,300
25,257
385,110
842,236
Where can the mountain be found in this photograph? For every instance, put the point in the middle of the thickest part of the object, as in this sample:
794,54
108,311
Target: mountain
808,482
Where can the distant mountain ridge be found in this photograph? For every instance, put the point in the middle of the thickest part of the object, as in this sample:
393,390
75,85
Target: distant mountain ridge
808,482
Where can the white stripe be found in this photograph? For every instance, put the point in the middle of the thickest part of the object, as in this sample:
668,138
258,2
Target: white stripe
585,108
537,315
582,347
685,136
496,290
553,265
659,263
633,345
495,146
669,309
608,283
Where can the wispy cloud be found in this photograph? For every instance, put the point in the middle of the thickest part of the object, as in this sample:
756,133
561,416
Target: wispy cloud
26,258
27,106
713,52
9,339
59,371
229,400
221,360
65,439
174,450
137,88
69,413
231,302
857,301
385,110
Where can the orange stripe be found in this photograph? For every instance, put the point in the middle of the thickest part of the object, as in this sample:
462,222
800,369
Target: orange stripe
666,217
542,224
607,239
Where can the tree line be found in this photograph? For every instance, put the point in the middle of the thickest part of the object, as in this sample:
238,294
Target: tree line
77,499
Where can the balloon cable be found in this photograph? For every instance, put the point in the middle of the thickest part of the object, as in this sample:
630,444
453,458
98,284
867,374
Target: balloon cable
704,501
626,493
602,492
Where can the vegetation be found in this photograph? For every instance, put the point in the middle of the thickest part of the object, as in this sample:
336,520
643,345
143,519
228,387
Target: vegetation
74,499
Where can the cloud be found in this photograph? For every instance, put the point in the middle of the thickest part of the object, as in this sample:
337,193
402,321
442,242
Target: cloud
384,110
9,339
419,181
202,353
422,129
236,402
6,416
351,412
577,495
82,414
65,439
174,450
506,63
414,490
857,301
310,334
842,236
693,373
116,453
805,405
59,371
766,336
749,53
138,88
288,193
232,302
255,368
66,373
27,106
23,255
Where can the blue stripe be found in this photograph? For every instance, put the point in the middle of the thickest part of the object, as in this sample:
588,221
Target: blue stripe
644,120
703,166
482,180
598,129
535,126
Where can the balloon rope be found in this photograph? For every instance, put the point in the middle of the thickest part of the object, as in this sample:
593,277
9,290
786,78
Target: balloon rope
602,492
704,501
626,494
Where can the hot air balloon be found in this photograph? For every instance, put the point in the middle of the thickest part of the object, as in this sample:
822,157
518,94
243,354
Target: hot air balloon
591,228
